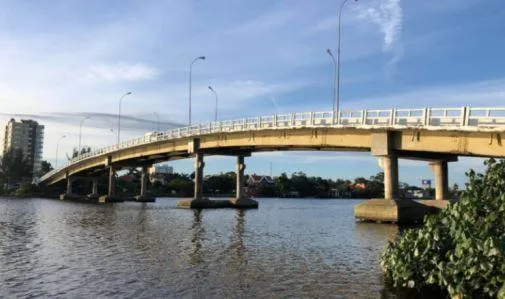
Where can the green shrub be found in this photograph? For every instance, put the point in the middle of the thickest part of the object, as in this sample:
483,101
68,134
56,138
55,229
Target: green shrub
462,249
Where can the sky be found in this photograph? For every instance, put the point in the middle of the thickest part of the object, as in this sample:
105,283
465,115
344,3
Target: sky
61,61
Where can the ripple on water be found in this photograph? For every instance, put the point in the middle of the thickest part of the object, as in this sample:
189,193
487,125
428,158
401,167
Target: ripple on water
287,248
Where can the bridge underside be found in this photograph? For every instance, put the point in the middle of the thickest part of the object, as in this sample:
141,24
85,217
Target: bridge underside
435,146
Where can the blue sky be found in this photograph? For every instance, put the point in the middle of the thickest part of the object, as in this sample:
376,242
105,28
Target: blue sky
63,60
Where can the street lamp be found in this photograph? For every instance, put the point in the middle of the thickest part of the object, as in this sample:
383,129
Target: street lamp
190,71
57,146
215,111
119,117
80,133
334,77
338,54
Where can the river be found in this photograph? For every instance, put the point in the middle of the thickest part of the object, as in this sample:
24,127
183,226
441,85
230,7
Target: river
287,248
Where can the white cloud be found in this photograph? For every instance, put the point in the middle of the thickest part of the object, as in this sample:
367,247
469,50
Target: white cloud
122,72
388,15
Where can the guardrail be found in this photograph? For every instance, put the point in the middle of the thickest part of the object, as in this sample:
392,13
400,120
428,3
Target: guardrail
424,117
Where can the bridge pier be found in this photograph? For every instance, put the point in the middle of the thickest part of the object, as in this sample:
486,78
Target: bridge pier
440,170
240,200
111,192
68,192
198,201
390,166
94,189
143,197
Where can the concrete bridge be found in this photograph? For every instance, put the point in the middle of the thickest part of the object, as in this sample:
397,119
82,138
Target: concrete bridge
435,135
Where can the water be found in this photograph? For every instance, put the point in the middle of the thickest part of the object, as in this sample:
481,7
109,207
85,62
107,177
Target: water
287,248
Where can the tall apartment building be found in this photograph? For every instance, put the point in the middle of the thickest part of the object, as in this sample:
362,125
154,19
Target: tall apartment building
27,135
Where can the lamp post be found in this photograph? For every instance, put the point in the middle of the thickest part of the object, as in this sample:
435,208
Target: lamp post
338,54
334,99
57,146
215,111
80,133
119,117
190,71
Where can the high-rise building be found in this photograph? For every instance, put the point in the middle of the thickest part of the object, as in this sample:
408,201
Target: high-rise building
28,136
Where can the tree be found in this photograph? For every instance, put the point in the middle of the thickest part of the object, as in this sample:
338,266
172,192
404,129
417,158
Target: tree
462,249
15,167
45,167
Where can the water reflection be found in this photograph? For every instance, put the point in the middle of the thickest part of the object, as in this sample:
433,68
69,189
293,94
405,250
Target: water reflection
196,238
287,248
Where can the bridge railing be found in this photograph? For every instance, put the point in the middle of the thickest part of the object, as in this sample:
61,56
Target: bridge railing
429,117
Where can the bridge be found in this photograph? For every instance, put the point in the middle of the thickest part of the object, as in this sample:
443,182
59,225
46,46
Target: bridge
435,135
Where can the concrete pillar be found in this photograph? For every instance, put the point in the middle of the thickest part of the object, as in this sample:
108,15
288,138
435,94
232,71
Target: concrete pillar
439,168
94,187
143,181
240,177
112,182
69,185
390,166
199,164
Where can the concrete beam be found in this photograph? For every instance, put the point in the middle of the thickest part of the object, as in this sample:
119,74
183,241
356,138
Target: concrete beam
427,156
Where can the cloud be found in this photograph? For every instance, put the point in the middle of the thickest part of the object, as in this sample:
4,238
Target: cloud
479,94
96,120
388,15
122,72
264,22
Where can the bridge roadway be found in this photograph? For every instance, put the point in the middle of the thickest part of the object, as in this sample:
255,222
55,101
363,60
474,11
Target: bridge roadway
436,135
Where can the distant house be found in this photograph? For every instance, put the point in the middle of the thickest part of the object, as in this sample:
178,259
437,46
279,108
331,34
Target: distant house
358,186
257,182
160,173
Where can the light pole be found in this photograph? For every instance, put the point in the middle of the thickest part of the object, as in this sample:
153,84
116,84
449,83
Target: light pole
119,117
80,133
338,54
334,99
215,111
190,71
57,146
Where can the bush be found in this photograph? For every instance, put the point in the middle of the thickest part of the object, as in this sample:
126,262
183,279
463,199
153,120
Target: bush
462,248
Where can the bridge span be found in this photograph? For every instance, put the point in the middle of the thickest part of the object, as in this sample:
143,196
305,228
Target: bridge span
435,135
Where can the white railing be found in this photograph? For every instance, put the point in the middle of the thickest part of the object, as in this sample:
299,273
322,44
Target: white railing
463,117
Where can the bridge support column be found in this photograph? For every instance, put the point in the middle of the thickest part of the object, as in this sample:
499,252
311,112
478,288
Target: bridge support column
111,192
94,189
68,192
390,166
199,165
198,201
440,170
143,197
70,181
240,200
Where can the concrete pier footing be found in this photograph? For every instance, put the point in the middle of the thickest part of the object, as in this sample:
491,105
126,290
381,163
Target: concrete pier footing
192,203
108,199
243,203
403,211
145,198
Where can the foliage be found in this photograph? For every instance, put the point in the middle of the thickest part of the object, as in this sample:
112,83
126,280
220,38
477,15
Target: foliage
45,167
14,167
223,183
462,249
76,152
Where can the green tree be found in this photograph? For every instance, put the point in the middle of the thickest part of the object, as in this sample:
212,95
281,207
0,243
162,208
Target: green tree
14,167
462,249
